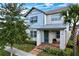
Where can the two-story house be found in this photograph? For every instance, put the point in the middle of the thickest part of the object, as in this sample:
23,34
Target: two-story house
48,27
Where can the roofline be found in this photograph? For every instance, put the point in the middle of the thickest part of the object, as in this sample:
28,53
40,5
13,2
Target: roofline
43,11
53,13
50,28
32,9
63,8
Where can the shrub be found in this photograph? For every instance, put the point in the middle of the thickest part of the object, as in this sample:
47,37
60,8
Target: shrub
54,51
45,49
28,42
68,51
58,52
70,44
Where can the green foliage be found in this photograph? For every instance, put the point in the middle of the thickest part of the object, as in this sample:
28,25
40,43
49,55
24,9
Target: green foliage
31,42
78,37
13,27
68,52
24,47
4,53
54,51
71,14
58,52
28,42
78,45
77,50
70,43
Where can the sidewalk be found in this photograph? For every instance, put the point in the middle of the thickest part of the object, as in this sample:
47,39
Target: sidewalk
18,52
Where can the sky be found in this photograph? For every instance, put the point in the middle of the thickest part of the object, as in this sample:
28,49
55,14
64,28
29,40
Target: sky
46,6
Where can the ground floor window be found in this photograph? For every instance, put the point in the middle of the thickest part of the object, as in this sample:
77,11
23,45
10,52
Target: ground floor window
58,34
33,34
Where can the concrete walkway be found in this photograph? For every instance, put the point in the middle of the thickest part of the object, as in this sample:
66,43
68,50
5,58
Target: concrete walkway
18,52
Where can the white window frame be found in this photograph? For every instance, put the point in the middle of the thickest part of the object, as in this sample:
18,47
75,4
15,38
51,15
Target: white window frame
55,18
33,19
33,34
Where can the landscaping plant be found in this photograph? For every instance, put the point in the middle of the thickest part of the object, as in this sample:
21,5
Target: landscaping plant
71,16
13,28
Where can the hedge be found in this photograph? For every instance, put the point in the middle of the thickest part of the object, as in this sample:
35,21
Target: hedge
70,44
58,52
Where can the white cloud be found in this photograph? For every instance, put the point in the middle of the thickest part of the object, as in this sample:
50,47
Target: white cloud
48,4
63,5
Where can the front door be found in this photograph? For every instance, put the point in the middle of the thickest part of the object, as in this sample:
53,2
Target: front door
46,36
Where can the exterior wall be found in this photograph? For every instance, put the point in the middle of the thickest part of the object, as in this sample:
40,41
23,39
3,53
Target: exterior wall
52,35
33,38
62,39
67,33
40,20
40,37
44,20
49,19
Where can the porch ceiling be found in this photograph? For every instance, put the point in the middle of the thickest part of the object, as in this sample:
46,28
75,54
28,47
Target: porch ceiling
53,27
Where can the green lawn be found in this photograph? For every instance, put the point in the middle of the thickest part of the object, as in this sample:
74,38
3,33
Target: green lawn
4,53
24,47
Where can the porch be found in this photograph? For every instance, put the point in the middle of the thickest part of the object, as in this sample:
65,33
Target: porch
52,38
39,48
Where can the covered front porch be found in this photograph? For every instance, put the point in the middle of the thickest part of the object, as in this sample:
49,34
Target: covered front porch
52,37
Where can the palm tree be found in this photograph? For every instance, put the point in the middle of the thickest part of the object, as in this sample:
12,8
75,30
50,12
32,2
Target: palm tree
71,16
12,23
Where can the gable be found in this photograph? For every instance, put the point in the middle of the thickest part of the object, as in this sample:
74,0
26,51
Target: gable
34,10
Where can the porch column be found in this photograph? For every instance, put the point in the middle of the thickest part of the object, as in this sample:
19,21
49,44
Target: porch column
38,37
50,37
62,39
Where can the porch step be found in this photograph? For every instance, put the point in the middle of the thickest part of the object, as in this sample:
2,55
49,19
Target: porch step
37,49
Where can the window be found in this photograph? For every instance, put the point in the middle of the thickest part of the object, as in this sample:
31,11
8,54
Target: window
33,19
58,34
56,17
33,34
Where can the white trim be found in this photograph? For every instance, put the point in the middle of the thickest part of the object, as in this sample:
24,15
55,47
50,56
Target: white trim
62,39
38,37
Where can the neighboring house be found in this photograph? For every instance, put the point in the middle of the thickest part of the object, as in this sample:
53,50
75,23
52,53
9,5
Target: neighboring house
47,27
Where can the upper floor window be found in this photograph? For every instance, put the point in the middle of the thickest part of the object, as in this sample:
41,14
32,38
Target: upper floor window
33,19
56,17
